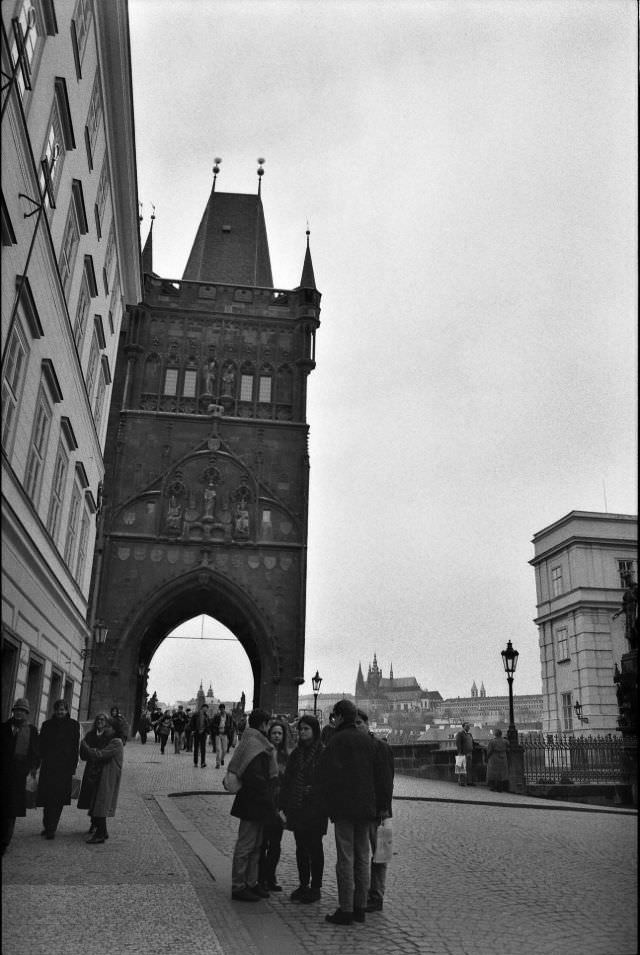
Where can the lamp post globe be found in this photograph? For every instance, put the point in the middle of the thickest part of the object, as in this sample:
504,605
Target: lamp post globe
510,662
315,683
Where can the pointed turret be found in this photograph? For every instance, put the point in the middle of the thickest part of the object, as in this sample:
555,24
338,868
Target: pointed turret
231,244
391,672
308,279
474,689
147,252
360,687
483,692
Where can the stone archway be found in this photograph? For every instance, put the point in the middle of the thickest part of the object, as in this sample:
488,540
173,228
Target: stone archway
116,674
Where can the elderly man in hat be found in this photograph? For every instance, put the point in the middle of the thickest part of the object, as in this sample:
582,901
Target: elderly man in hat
20,757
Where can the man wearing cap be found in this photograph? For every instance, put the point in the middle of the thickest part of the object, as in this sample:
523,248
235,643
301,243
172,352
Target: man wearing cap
20,757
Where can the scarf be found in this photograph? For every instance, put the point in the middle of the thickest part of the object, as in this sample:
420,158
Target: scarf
23,738
302,765
252,744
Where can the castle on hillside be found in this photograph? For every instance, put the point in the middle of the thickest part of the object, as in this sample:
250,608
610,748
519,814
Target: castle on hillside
398,693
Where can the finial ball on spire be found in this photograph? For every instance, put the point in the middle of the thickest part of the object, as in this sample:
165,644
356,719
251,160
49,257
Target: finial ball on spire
261,163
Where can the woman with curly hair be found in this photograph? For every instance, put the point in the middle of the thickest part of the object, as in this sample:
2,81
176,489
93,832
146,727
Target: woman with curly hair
103,752
302,810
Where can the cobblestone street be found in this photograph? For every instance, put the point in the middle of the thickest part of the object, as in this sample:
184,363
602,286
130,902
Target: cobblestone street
474,873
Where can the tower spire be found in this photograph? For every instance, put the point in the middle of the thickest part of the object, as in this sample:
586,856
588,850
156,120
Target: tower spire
308,279
216,170
147,252
261,163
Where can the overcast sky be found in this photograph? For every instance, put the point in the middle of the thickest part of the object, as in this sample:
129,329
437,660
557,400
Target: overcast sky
468,172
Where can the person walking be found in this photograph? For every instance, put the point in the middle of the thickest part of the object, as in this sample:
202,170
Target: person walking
378,873
199,730
464,747
119,724
355,785
302,812
179,721
498,763
103,752
188,732
144,725
163,727
221,730
20,757
254,763
272,832
59,742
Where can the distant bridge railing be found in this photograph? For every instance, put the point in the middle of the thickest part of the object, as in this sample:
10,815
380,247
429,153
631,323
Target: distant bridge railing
550,759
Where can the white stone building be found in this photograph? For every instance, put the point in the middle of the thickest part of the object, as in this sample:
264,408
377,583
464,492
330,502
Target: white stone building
579,561
70,264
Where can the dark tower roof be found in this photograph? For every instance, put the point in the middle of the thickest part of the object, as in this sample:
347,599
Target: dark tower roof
360,687
147,252
308,279
231,243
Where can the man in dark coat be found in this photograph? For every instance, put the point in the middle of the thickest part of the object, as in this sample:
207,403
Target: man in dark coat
464,747
378,879
355,784
254,763
59,742
20,757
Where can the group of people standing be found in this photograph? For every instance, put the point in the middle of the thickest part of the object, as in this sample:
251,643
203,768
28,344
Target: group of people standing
190,731
497,752
349,781
46,762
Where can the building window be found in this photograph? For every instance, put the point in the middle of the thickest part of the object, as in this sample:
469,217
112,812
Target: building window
82,311
83,541
82,19
8,235
57,491
52,159
17,354
98,406
103,189
37,448
556,581
246,387
625,567
92,366
69,248
109,254
562,638
189,385
170,381
264,393
87,146
94,116
567,712
29,28
96,216
78,201
72,525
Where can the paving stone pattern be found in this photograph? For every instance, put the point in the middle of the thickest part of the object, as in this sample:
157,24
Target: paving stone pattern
474,873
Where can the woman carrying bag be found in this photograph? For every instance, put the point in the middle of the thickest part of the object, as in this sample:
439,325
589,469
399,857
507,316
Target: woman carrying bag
103,752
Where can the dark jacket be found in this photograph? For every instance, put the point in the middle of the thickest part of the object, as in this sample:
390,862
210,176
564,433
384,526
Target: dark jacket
59,742
227,728
464,743
15,771
179,720
386,753
256,800
353,775
299,793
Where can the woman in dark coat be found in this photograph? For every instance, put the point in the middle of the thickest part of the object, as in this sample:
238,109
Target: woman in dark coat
301,809
103,752
59,741
272,833
497,763
20,757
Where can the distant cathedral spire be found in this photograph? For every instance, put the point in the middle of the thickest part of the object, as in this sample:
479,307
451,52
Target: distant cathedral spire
147,252
360,686
308,279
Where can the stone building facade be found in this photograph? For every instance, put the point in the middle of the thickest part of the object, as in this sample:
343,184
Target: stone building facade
70,263
580,562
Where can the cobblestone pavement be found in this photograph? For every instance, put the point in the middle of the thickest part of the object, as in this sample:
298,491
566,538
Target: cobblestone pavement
474,873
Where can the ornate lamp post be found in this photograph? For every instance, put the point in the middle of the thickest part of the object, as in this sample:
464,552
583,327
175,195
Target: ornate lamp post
510,662
99,639
315,683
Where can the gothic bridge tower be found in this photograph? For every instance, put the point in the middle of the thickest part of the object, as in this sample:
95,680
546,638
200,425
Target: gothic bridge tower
206,485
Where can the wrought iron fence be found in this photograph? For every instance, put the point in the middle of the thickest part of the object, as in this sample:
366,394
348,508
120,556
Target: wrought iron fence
574,759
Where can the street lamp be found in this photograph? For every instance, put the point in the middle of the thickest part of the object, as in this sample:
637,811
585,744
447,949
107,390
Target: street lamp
315,683
578,708
510,661
99,639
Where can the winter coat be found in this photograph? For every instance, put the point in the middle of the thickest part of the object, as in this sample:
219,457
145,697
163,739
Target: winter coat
120,727
464,743
101,780
256,800
15,770
299,795
163,726
354,778
497,762
227,728
59,741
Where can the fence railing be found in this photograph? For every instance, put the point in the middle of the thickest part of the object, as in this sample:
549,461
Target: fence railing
574,759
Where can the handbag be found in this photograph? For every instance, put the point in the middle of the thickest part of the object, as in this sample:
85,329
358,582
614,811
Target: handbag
461,765
30,791
232,782
384,843
76,783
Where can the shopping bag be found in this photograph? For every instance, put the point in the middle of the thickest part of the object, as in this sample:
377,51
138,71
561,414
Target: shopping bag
461,765
384,843
232,783
30,791
76,783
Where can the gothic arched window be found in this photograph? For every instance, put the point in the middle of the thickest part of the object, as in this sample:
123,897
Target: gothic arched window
265,388
247,374
151,375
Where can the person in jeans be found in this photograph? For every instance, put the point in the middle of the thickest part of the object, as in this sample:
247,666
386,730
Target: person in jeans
301,810
464,747
179,722
221,729
378,874
355,786
199,731
254,762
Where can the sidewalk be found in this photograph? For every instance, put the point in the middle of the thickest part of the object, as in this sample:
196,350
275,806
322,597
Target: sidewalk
161,884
